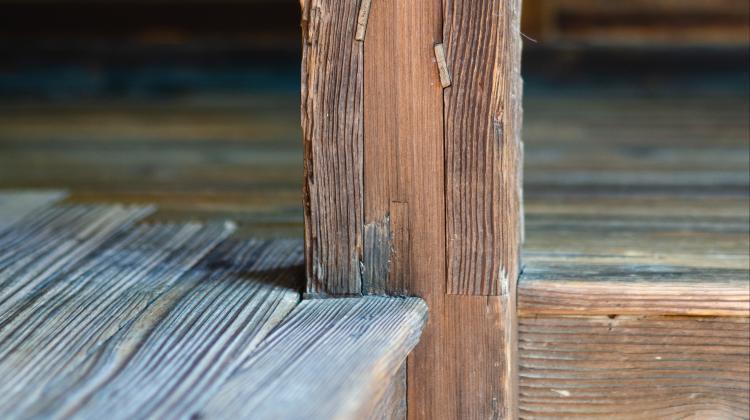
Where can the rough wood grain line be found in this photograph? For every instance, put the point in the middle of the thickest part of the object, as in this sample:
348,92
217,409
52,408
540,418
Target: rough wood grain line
392,405
332,135
329,359
14,205
585,289
482,43
173,356
50,242
56,328
634,367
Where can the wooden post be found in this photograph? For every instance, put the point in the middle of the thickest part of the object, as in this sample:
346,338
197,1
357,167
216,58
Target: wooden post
411,114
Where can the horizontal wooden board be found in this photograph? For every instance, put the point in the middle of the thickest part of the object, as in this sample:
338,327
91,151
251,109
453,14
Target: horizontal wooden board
577,289
634,367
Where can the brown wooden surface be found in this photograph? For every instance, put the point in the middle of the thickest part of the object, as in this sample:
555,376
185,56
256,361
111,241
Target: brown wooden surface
635,296
482,146
404,232
634,367
675,22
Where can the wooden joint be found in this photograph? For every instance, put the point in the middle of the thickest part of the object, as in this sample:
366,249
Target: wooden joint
445,76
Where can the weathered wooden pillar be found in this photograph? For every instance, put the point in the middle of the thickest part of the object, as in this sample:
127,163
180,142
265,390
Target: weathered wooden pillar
411,113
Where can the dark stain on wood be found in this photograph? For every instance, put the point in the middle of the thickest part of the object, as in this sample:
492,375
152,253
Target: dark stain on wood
377,255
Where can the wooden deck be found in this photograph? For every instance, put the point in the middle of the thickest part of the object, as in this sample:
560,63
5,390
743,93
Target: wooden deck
633,303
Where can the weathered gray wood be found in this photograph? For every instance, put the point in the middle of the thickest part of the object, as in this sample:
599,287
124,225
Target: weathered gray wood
14,205
51,241
392,406
329,359
56,327
168,360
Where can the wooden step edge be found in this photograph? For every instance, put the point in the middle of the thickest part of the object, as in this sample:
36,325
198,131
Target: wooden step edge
329,359
637,293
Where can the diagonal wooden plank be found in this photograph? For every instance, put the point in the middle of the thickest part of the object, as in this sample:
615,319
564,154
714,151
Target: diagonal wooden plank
14,205
55,328
329,359
51,241
169,359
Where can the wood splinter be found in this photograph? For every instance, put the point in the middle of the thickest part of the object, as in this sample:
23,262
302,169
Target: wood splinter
364,12
445,76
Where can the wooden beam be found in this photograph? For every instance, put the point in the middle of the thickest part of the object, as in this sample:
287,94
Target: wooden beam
332,134
439,172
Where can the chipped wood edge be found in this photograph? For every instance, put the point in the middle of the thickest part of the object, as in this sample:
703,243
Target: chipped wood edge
445,76
362,16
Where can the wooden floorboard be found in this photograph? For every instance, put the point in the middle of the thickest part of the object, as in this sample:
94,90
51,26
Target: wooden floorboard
173,356
329,359
49,329
14,205
51,242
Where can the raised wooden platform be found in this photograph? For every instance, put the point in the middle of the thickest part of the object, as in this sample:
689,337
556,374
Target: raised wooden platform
635,297
103,317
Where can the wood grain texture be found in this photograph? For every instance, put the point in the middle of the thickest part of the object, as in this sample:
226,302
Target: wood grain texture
404,182
392,405
52,242
403,141
329,359
459,369
173,356
633,302
482,126
56,325
332,108
634,367
14,205
578,289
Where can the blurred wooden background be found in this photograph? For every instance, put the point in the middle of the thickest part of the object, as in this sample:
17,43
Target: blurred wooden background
638,22
193,105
